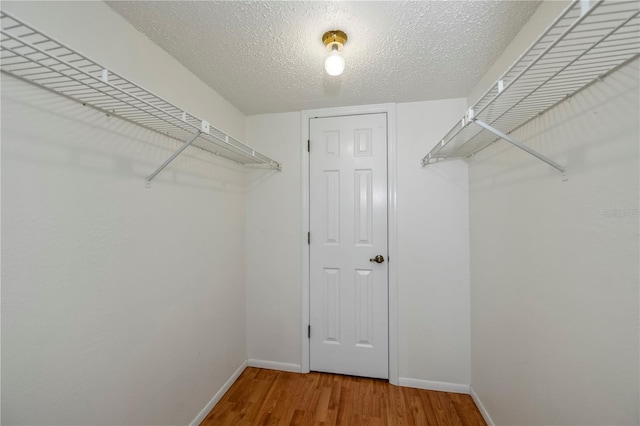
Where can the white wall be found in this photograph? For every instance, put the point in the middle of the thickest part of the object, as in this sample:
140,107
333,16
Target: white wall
554,265
433,283
273,243
120,304
433,249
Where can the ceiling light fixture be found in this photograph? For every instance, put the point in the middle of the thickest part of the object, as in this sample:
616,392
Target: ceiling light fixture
334,40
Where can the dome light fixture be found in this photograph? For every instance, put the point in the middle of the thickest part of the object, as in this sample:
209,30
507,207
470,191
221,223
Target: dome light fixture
334,40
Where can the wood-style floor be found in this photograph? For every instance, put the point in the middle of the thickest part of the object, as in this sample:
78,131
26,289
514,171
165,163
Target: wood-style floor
268,397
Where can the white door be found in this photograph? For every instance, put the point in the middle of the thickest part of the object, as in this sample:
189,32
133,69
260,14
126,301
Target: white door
348,224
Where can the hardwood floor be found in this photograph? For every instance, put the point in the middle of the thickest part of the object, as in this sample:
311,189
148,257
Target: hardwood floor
269,397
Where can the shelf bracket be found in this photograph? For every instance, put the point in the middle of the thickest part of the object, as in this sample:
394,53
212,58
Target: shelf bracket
523,147
173,157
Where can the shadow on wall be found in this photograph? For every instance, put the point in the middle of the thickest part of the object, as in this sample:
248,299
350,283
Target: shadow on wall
256,177
62,133
444,173
573,133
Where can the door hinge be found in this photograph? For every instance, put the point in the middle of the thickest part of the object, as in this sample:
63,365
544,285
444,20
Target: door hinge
309,238
309,332
308,145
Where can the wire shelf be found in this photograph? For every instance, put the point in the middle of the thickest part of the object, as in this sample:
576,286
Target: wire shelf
30,55
584,44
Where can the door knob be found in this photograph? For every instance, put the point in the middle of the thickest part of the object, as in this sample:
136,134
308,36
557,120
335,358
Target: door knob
378,259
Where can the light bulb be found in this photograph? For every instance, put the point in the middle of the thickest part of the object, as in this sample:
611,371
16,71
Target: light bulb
334,64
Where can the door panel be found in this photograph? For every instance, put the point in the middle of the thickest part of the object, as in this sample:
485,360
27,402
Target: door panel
348,224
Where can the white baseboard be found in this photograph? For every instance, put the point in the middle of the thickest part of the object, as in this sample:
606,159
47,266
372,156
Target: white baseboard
273,365
483,411
218,396
432,385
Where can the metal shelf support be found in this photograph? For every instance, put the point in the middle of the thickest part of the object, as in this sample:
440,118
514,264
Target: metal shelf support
173,157
520,145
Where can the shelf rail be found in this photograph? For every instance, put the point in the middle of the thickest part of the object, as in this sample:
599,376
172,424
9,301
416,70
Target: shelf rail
32,56
587,42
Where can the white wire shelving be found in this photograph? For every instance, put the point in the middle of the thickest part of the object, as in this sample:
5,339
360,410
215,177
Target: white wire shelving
588,41
31,55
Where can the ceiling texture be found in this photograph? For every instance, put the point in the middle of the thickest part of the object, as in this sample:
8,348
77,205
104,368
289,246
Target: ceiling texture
268,56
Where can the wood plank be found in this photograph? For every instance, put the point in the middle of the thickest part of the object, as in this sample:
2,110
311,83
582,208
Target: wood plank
269,397
450,413
427,408
466,409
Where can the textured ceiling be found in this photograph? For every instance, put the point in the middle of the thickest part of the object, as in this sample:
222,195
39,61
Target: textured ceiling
267,56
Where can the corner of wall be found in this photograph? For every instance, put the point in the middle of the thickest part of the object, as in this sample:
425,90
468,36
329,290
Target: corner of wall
485,414
218,396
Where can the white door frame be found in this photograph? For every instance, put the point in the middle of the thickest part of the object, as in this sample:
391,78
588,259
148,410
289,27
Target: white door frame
306,115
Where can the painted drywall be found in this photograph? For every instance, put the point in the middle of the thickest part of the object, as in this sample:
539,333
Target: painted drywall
120,304
433,279
433,249
273,244
554,265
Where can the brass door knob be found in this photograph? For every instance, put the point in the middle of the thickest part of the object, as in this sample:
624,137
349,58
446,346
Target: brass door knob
378,259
